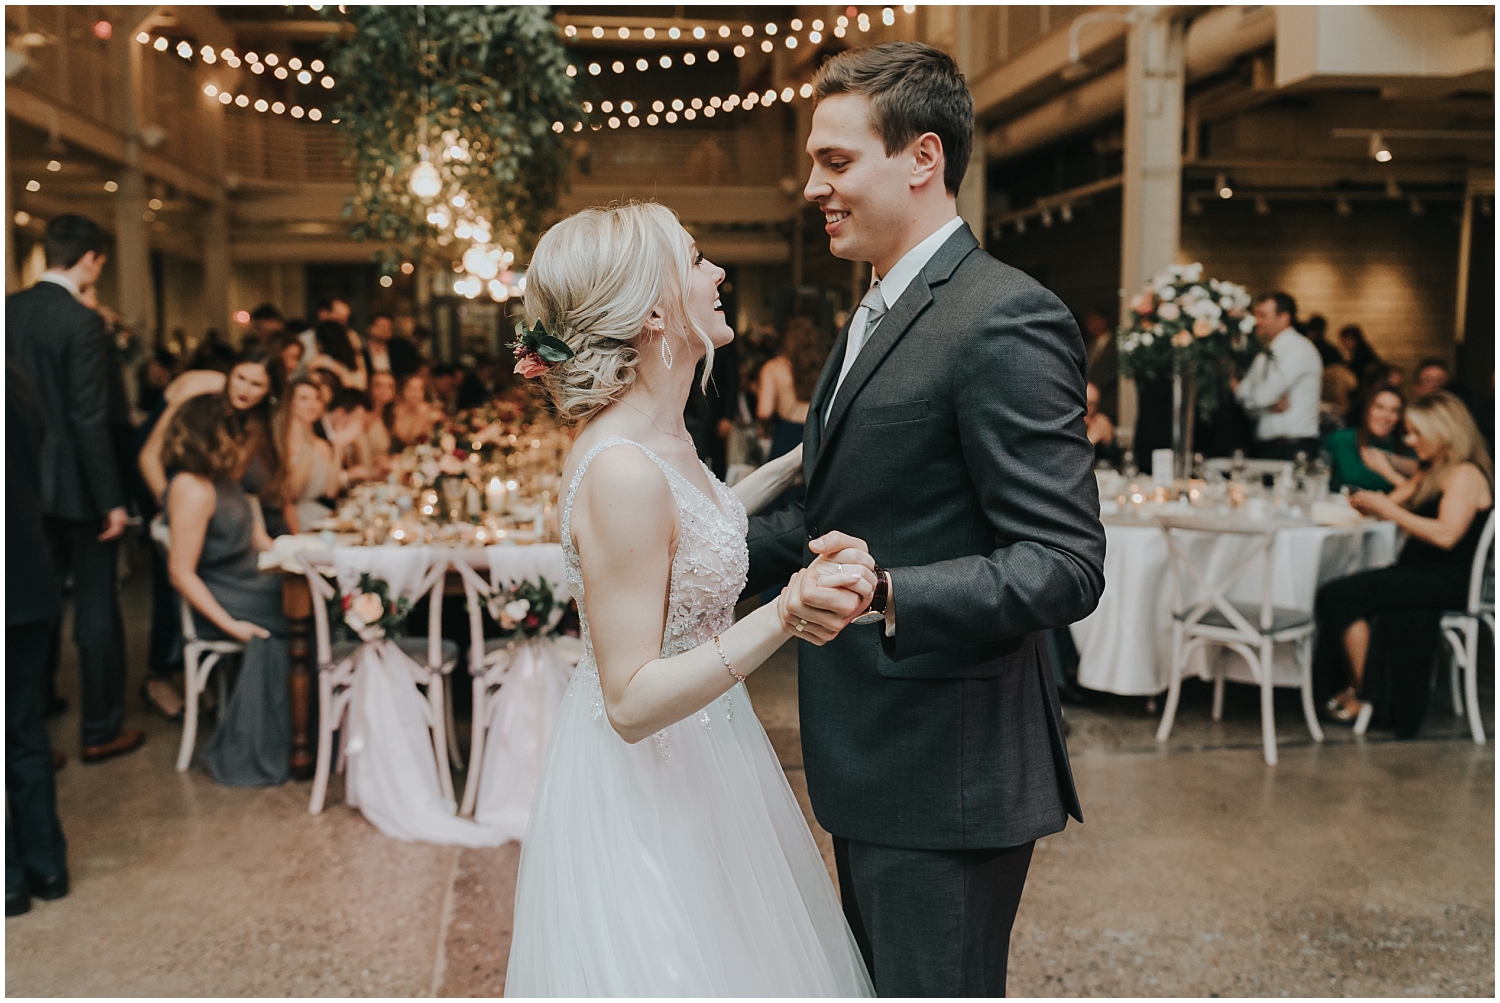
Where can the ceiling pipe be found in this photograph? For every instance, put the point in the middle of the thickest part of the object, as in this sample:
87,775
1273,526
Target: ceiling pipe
1214,41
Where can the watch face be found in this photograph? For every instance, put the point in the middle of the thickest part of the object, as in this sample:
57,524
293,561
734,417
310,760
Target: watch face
870,617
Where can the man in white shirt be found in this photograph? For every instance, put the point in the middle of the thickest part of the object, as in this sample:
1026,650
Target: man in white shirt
1284,385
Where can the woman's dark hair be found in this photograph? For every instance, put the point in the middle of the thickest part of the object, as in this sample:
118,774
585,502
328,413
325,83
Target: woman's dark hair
804,349
1362,432
281,430
913,89
333,341
203,439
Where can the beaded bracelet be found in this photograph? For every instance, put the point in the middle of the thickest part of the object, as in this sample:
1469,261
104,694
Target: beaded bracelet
725,659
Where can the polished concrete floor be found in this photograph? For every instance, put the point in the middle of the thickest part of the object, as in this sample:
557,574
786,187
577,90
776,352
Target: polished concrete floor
1358,867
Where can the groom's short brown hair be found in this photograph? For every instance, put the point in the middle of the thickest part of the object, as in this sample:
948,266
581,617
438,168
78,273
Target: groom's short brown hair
913,89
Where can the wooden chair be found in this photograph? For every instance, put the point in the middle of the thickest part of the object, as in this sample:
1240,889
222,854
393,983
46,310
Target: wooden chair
1251,631
200,656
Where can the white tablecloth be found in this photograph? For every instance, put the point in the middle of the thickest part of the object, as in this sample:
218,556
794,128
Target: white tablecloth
1126,644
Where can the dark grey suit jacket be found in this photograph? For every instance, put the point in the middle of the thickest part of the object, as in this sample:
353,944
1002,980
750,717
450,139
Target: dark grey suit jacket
63,347
956,450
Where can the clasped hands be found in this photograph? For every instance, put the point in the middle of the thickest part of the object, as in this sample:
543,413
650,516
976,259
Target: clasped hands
822,598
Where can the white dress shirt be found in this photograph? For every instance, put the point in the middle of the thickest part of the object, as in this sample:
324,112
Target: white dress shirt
58,278
1292,369
892,285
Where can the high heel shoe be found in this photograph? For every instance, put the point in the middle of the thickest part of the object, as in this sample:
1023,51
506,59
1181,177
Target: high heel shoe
1334,710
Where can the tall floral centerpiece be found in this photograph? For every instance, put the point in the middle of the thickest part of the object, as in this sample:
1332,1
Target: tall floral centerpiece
1197,330
452,119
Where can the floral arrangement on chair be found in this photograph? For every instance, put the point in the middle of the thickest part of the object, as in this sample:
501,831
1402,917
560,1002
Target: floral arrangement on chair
1183,323
369,611
528,609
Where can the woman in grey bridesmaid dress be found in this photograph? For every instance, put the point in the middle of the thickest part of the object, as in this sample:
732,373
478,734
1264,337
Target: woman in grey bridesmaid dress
212,561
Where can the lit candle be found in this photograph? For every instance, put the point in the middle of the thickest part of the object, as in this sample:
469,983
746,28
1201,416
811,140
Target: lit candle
494,495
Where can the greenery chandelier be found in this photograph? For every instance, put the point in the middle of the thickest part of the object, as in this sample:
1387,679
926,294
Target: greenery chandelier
447,116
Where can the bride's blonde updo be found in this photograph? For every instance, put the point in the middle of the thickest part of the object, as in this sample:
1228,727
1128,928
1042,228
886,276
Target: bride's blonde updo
593,281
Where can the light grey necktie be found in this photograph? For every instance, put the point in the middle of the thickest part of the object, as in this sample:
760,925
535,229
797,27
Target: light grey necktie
874,307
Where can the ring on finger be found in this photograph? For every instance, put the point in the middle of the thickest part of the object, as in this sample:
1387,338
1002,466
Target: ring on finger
801,624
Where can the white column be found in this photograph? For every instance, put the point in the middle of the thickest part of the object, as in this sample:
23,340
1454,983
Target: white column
1151,226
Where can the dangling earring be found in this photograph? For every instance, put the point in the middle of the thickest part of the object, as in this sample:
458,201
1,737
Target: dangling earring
666,351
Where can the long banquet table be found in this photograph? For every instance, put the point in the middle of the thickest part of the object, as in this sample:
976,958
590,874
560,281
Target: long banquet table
1125,645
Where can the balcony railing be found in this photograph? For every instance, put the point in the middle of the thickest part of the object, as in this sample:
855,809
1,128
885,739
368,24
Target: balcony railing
262,147
667,158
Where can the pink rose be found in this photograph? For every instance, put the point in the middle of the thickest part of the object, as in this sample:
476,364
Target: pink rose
1181,339
530,365
1142,304
1203,327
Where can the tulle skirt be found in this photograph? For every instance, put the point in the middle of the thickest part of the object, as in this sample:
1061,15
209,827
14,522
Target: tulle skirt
678,866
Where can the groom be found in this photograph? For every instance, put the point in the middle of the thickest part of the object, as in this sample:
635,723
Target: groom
946,439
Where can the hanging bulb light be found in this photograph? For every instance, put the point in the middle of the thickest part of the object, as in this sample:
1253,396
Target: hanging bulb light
425,180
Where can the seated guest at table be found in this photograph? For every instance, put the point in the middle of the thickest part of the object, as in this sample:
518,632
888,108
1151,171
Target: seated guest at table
442,387
382,397
412,417
284,350
1369,456
309,475
212,559
1282,389
1378,630
337,354
352,420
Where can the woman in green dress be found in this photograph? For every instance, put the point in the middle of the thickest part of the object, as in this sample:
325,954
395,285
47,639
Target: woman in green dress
1370,456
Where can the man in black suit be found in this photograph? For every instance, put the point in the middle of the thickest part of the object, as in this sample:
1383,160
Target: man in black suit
36,860
63,348
387,352
946,441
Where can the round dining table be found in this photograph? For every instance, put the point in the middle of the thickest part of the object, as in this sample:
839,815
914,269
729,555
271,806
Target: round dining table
1125,645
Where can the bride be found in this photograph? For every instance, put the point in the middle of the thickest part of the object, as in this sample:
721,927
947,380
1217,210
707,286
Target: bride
666,854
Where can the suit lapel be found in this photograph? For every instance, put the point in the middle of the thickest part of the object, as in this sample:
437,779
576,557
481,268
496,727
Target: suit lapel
892,328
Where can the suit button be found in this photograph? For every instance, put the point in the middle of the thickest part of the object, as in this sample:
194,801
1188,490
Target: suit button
812,533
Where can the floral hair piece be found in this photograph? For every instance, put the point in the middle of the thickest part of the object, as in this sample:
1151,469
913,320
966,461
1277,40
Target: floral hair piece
537,351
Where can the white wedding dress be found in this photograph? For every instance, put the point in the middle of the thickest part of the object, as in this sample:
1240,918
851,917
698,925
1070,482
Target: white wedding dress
681,865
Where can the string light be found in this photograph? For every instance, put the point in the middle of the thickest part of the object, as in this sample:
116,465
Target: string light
681,109
278,67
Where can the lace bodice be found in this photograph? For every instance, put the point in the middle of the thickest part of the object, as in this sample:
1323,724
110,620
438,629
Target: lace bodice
709,569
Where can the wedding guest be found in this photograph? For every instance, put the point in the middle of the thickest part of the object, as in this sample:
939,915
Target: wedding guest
64,350
36,862
412,417
1362,358
266,323
785,386
309,474
382,398
388,352
350,416
1378,630
334,308
1315,329
283,358
338,355
1433,374
212,559
1099,429
1282,389
1369,455
213,352
710,412
442,387
153,377
1104,361
1337,399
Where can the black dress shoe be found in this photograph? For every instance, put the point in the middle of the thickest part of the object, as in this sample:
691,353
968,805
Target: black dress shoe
1071,696
48,889
17,903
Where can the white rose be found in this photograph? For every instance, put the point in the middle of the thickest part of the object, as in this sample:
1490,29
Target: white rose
1168,293
1247,325
517,610
1193,271
1146,340
448,443
1168,311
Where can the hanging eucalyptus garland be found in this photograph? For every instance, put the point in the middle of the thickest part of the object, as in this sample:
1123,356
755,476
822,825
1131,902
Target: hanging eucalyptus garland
472,91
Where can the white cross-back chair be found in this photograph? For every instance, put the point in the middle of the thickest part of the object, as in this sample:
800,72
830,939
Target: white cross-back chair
1249,630
432,659
200,656
1461,630
489,659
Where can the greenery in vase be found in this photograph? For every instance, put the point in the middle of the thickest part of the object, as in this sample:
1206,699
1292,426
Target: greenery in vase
489,82
1182,322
